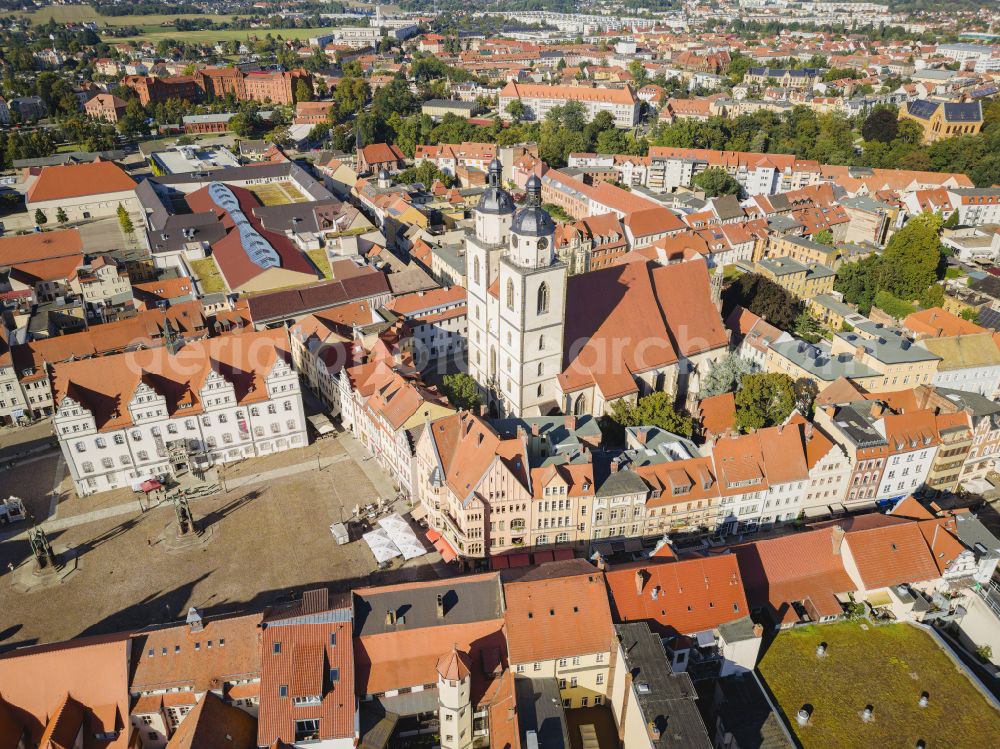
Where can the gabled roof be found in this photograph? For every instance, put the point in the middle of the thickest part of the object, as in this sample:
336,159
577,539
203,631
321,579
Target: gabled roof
557,617
890,555
690,596
68,181
800,568
213,723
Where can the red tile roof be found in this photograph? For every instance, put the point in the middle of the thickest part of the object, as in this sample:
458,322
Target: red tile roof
557,617
67,181
891,555
26,248
801,567
691,596
304,662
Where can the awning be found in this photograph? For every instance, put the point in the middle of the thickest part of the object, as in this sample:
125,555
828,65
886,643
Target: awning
543,556
432,535
448,554
418,512
520,560
499,563
150,485
402,536
879,598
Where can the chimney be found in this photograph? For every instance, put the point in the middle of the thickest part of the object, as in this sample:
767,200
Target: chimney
599,561
642,434
483,411
440,606
656,592
390,617
614,465
877,410
571,422
859,350
640,581
758,630
536,430
809,431
837,538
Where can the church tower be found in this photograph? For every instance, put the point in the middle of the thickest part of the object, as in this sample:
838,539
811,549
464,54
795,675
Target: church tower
517,299
455,700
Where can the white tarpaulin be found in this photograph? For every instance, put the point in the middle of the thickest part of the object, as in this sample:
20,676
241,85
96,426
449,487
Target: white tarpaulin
381,545
403,536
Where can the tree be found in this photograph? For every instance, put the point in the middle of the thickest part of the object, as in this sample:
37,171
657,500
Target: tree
656,410
764,298
303,91
881,125
912,257
763,400
824,237
716,182
40,218
245,123
726,375
858,282
932,296
807,327
461,390
970,314
61,216
125,220
806,391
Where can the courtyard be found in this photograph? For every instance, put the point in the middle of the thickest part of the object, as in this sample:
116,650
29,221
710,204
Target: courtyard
278,193
887,667
265,541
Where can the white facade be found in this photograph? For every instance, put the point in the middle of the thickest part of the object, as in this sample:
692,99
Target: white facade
517,301
905,472
155,442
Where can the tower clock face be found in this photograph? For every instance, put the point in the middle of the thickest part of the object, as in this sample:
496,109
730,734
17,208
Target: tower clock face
543,243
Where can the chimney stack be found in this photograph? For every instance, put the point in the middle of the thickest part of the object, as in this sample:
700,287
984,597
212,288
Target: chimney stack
640,581
642,435
599,561
571,422
536,430
390,618
837,538
440,606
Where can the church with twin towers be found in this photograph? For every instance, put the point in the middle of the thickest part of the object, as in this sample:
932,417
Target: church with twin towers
517,301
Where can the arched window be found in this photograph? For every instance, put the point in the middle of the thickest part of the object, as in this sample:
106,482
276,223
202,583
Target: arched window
475,271
541,369
580,407
510,294
543,298
493,362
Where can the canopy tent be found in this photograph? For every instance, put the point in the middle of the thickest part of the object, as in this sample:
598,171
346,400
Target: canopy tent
402,536
383,549
150,485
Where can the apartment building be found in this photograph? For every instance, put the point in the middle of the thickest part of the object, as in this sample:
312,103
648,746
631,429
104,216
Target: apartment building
803,280
758,174
538,99
380,405
559,628
211,402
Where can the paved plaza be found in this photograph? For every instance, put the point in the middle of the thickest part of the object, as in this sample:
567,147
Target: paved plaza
267,535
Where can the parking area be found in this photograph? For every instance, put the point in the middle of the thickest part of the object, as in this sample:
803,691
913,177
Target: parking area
267,541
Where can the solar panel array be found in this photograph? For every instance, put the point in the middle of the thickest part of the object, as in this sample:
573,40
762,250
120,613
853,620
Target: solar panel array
963,112
257,248
922,108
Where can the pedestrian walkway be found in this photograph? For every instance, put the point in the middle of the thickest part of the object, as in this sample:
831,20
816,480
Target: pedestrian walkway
131,508
368,464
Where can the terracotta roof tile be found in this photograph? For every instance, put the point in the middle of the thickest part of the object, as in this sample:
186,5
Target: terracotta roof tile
67,181
558,617
691,596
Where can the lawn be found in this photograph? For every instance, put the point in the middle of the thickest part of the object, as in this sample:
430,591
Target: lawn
321,261
278,193
887,667
208,275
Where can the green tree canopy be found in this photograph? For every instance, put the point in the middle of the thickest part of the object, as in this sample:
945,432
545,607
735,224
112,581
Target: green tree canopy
726,375
461,390
656,409
763,400
716,182
912,257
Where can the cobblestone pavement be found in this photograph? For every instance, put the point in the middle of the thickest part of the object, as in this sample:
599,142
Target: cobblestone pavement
269,540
